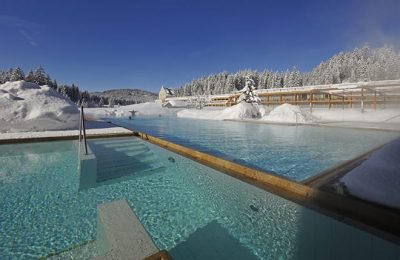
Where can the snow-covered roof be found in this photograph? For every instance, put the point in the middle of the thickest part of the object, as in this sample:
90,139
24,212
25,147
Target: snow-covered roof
169,91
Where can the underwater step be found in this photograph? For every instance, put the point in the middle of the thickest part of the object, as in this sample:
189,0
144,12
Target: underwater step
99,151
133,140
133,153
136,156
127,173
117,145
133,162
151,162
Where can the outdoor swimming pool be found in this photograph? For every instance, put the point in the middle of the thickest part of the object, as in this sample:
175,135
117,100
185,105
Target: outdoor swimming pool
188,209
295,152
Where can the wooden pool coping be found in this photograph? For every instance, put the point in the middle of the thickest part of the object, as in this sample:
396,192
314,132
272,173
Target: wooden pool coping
372,218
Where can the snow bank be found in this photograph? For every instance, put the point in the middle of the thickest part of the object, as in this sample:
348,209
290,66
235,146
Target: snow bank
378,178
28,107
149,108
242,110
287,113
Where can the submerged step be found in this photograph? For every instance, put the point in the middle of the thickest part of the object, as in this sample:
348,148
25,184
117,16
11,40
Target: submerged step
127,163
118,145
115,141
115,160
124,174
102,151
120,233
113,154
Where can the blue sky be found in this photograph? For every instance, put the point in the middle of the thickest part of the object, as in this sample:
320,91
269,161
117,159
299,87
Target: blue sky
102,45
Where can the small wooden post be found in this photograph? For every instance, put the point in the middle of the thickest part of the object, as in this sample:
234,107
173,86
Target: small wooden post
384,101
343,100
362,100
267,100
351,99
375,100
311,101
329,101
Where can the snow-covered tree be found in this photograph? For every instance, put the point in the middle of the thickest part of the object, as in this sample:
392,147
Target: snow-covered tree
17,74
30,77
247,92
41,78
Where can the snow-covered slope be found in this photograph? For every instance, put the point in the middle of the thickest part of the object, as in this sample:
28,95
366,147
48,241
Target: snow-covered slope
28,107
378,178
242,110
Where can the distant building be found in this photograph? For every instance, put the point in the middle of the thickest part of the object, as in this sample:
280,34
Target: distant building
165,93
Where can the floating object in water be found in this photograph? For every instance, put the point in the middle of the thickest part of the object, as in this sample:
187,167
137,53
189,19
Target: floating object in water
254,208
130,118
133,112
171,159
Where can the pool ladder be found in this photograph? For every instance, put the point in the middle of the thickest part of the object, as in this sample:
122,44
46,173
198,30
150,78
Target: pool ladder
82,129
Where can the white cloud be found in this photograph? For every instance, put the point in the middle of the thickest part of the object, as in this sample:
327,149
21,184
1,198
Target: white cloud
27,29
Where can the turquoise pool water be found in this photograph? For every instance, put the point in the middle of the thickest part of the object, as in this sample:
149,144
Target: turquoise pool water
295,152
193,211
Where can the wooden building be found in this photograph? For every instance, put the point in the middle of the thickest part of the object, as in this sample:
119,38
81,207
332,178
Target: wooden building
165,93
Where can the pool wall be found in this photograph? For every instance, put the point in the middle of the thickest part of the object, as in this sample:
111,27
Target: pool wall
87,167
372,218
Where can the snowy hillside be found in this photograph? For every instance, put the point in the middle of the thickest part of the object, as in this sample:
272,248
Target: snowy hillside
147,109
29,107
126,96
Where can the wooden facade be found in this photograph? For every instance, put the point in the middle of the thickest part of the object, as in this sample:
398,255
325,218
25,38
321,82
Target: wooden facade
377,96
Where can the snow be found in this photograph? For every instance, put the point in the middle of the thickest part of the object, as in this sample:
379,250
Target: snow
354,115
240,111
148,108
287,113
176,103
378,178
29,107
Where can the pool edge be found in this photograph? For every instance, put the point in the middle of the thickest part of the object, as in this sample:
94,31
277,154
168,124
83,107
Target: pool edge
369,217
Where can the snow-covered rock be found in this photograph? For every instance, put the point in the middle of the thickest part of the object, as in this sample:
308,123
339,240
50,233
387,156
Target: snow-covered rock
287,113
28,107
378,178
242,110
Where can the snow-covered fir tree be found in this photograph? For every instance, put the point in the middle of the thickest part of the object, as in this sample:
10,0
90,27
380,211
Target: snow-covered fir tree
30,77
362,64
247,92
17,74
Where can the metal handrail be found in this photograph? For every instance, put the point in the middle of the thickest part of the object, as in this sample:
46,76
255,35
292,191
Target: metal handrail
82,128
